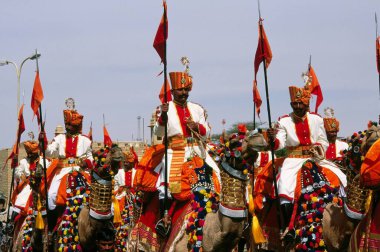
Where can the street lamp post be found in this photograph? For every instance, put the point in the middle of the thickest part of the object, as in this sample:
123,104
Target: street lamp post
18,73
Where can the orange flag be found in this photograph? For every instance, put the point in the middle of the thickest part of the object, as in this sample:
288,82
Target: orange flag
162,35
37,96
20,130
107,138
168,93
263,52
315,88
256,98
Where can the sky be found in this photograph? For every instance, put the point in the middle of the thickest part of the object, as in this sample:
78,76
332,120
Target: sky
100,53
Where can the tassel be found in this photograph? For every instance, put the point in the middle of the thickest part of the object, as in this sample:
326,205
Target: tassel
116,210
39,220
251,206
257,231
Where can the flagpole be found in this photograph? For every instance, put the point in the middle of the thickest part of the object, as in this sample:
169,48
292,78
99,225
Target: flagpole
377,53
166,123
43,157
279,213
254,115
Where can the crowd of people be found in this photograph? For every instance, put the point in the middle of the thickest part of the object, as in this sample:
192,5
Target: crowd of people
153,198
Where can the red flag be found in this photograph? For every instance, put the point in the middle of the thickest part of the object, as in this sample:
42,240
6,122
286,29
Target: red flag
168,93
90,133
162,35
256,98
20,130
107,138
263,51
315,88
37,95
378,54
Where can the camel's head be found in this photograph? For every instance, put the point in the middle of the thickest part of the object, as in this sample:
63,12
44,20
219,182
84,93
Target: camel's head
371,136
107,161
35,177
359,144
253,143
241,150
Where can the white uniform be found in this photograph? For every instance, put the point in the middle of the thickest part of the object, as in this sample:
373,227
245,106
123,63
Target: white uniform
175,128
334,150
306,133
83,150
120,181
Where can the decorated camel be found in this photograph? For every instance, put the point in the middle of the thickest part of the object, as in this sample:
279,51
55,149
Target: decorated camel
212,224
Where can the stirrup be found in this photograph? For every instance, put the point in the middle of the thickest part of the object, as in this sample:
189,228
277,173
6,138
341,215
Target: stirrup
161,229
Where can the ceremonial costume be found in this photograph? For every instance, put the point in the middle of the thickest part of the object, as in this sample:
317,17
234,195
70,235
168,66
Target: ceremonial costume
182,144
335,148
22,194
299,135
72,150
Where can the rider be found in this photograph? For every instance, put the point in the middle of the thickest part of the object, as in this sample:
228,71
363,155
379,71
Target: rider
303,135
22,193
336,147
74,153
186,126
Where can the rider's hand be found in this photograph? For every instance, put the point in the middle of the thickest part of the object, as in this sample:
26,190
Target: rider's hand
192,125
164,112
271,132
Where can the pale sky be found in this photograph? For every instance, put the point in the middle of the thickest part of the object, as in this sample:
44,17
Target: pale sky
100,53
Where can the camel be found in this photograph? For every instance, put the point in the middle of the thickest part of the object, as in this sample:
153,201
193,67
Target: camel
224,225
29,235
80,221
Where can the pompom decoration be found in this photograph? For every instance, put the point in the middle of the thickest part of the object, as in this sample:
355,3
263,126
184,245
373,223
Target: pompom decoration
27,231
204,201
77,196
316,193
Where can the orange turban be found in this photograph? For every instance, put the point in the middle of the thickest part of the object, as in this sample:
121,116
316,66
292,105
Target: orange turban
180,80
72,117
299,95
331,124
31,147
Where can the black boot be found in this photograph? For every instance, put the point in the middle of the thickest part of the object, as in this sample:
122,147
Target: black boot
287,211
162,229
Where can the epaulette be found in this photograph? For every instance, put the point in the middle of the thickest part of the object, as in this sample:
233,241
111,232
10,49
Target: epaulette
284,116
313,113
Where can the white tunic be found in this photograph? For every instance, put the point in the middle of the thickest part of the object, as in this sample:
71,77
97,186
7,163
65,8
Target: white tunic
59,145
175,128
287,137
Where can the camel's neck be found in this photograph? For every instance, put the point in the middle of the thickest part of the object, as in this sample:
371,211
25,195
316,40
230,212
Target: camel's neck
233,188
100,197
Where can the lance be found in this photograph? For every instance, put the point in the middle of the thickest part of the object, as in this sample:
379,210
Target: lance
166,123
377,52
279,213
254,115
43,154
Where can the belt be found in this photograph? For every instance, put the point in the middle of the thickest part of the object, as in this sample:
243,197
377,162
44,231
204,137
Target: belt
299,152
68,162
178,142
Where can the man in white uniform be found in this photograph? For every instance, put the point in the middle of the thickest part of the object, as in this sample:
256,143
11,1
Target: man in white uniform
23,190
302,133
74,153
336,147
